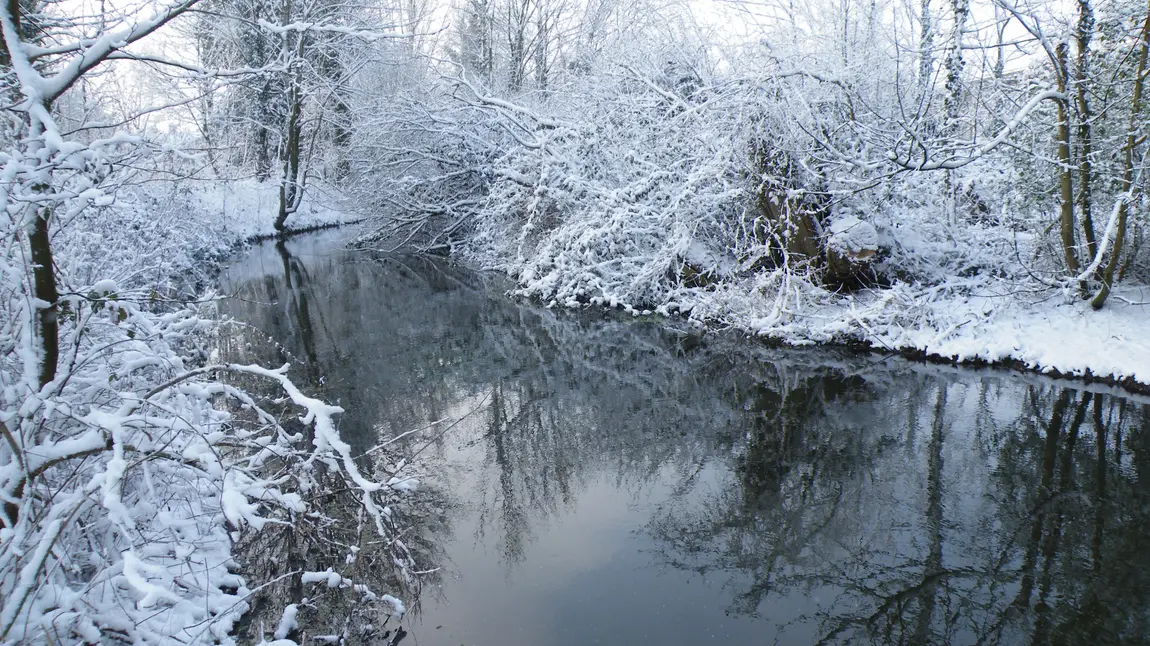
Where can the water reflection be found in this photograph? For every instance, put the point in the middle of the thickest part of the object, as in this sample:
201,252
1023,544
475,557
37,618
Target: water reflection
619,482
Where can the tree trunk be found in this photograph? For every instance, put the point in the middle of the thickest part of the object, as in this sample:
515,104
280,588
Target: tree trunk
518,16
44,280
955,62
290,183
25,15
289,193
515,80
39,238
341,138
1065,168
263,154
1132,140
1085,30
926,48
542,50
1000,53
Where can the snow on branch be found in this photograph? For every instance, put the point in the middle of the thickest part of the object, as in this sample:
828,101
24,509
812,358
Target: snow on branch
330,28
993,143
91,52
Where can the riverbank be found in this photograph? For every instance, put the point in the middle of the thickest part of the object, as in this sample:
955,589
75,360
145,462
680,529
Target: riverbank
1048,333
1052,335
959,290
1028,327
727,214
247,210
1022,355
171,239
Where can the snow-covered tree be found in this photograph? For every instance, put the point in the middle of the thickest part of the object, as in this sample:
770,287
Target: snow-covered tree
131,457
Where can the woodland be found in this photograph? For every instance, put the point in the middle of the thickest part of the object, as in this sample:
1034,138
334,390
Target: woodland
962,179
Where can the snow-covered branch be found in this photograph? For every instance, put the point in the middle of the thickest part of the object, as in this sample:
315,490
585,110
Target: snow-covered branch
990,145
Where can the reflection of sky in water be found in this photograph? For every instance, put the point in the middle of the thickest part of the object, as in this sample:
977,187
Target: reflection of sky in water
609,483
588,575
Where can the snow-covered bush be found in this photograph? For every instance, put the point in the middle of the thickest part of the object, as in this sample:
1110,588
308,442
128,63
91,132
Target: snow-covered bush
131,458
129,477
616,207
676,175
628,192
130,473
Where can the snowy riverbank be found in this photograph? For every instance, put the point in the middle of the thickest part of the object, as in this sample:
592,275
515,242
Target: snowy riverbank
954,293
720,208
1049,333
246,210
1052,334
170,237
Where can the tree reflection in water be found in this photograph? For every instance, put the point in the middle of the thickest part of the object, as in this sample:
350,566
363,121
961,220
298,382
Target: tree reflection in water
975,526
832,499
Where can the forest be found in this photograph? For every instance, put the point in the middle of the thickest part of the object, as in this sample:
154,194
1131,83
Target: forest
959,180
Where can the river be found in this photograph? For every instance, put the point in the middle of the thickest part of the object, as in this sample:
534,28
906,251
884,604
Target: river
591,479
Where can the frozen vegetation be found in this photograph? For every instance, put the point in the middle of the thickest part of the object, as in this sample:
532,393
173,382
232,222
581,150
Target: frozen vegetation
807,189
957,178
133,457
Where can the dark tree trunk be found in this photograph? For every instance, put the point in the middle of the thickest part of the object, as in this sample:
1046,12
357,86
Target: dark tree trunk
1085,30
290,184
1065,172
44,279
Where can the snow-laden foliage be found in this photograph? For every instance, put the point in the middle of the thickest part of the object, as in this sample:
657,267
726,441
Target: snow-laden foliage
616,207
132,459
862,183
174,232
129,476
661,190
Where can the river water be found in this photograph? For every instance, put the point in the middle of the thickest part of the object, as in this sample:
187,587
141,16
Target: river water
588,479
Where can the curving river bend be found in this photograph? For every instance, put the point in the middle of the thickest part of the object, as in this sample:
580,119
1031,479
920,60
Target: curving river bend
606,481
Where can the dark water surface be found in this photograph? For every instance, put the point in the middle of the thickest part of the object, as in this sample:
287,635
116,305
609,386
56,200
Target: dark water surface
613,481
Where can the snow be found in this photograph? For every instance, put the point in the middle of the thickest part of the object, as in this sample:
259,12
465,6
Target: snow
1052,334
242,210
405,485
177,231
335,580
397,606
106,286
287,622
851,235
1056,335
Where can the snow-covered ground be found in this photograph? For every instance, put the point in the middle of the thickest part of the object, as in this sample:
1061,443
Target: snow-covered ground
1049,332
1052,335
244,210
